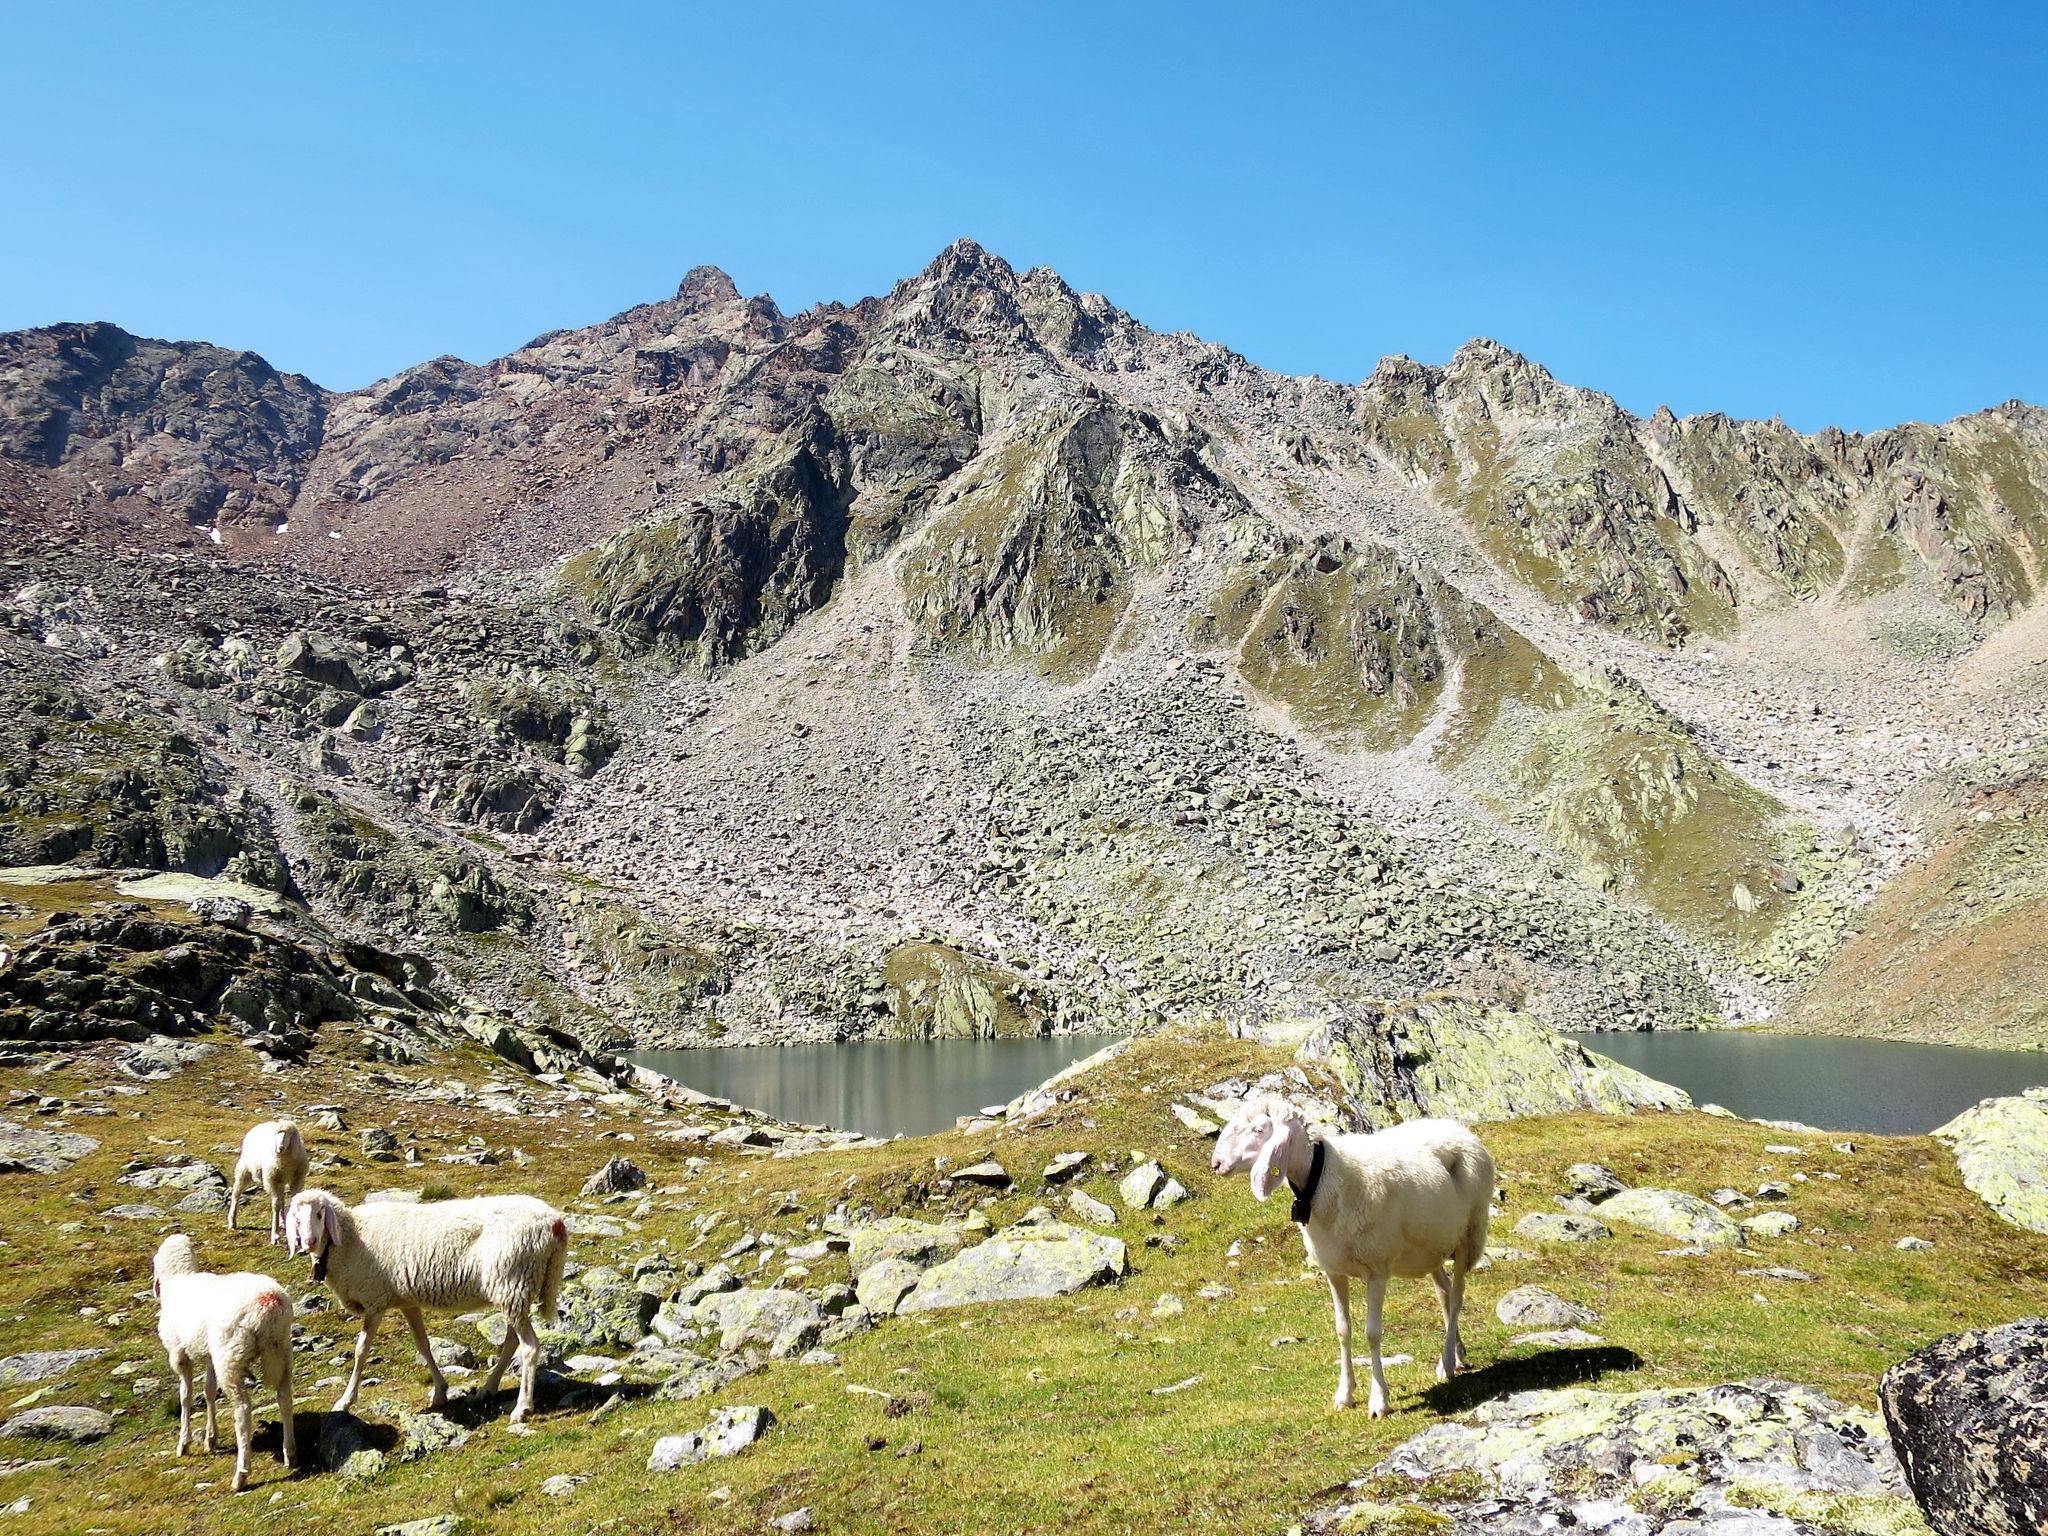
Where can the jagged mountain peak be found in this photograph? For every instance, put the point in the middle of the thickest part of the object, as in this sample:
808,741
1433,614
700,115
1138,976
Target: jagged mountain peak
705,287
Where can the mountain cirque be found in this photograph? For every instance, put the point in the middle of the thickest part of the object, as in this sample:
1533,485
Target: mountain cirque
976,660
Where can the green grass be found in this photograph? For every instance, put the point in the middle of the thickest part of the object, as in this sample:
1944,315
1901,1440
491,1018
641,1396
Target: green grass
1034,1417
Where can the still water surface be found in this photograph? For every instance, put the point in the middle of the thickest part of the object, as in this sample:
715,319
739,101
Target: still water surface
1881,1086
877,1087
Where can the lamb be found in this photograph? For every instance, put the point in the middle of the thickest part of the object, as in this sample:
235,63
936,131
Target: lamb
503,1251
273,1160
1397,1202
226,1326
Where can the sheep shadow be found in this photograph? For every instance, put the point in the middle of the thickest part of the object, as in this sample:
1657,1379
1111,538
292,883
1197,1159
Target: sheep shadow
1545,1370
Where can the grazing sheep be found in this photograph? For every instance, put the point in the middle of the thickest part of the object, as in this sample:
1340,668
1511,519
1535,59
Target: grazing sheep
503,1251
1397,1202
273,1160
225,1326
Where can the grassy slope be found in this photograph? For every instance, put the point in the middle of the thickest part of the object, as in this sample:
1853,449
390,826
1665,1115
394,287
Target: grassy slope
1955,949
1031,1417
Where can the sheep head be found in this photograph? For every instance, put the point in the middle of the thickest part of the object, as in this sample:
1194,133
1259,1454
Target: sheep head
312,1223
175,1255
1258,1138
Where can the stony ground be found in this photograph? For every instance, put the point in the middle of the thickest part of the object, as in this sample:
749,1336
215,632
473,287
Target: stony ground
1184,1384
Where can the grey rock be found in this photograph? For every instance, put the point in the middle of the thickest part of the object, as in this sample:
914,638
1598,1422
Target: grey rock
1047,1259
1673,1213
44,1364
1064,1166
1561,1227
617,1177
1969,1418
55,1421
901,1237
1771,1224
33,1149
730,1431
882,1286
990,1174
758,1317
432,1525
1592,1181
1531,1306
1536,1463
1088,1208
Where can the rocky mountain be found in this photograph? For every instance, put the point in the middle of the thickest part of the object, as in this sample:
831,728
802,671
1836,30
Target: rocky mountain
974,659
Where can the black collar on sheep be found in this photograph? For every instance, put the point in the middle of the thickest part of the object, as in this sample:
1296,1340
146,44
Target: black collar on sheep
1305,1194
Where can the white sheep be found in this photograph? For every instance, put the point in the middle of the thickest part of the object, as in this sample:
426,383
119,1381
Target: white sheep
1402,1201
273,1160
224,1326
503,1251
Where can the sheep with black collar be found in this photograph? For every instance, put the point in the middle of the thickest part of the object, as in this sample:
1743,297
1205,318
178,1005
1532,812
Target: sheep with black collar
1404,1201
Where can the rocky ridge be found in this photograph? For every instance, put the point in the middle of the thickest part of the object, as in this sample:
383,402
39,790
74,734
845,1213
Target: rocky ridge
975,660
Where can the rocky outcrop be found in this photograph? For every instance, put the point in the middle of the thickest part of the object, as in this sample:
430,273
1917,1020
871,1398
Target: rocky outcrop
1760,1458
1029,1261
1450,1056
1969,1419
2001,1148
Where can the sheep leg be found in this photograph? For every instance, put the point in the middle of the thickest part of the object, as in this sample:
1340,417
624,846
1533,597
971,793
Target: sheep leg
355,1375
1340,1304
209,1390
276,1219
238,1395
1457,1314
287,1420
529,1365
497,1373
1375,1302
1452,1360
235,1199
417,1321
184,1370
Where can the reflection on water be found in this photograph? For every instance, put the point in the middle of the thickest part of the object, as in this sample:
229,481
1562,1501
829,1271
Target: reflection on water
877,1087
1881,1086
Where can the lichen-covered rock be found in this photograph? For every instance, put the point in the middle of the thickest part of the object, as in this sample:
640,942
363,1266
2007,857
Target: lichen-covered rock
882,1286
1756,1458
2001,1148
1448,1056
56,1421
730,1431
44,1364
1531,1306
1048,1258
901,1237
1673,1213
1561,1227
32,1149
757,1317
1969,1419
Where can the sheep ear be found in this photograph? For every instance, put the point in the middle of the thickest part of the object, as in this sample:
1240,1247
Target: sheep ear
1264,1178
330,1220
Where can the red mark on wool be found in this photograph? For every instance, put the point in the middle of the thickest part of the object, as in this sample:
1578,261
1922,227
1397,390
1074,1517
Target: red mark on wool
561,1230
270,1300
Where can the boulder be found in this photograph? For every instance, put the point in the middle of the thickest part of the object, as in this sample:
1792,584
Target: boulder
1673,1213
58,1422
32,1149
1046,1259
1561,1227
881,1287
1755,1458
2001,1148
1969,1419
1064,1166
730,1431
1771,1224
1591,1181
44,1364
990,1174
616,1177
901,1237
1088,1208
1531,1306
757,1317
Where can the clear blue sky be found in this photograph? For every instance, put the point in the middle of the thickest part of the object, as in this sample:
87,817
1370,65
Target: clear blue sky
1834,213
